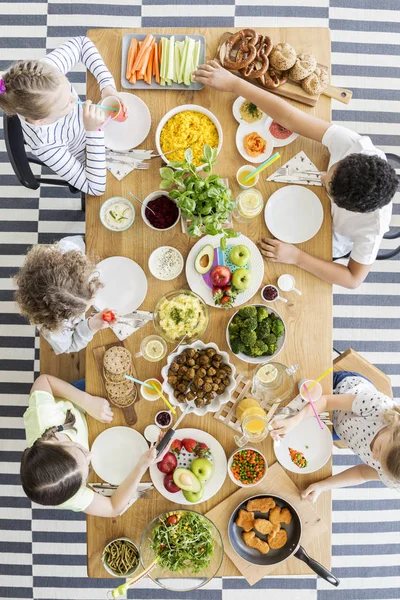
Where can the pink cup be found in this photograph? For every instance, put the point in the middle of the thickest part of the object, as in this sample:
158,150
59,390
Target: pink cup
114,102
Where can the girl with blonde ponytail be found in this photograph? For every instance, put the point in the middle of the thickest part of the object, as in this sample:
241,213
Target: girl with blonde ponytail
55,465
59,131
367,420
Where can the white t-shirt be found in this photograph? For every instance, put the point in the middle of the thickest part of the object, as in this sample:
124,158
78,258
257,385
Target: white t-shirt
359,427
358,233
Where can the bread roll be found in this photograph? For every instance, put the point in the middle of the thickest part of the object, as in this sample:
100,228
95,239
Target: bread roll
316,82
305,64
282,57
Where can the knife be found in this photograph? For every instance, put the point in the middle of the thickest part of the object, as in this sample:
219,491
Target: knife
171,432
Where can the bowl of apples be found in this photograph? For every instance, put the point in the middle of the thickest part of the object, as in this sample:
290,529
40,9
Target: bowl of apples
225,277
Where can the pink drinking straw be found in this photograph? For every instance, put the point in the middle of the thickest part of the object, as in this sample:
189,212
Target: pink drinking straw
105,122
313,406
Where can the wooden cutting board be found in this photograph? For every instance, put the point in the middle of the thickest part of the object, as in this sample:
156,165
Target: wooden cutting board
129,411
278,483
291,89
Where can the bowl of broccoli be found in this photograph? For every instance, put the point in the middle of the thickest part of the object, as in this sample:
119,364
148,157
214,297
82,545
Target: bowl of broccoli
256,333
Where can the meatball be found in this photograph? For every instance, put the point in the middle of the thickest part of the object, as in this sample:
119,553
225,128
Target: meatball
204,360
201,372
190,396
227,369
191,374
190,352
210,352
190,362
216,364
201,394
207,387
218,357
174,367
215,387
208,379
182,387
226,381
217,380
221,388
211,371
181,398
172,380
209,397
221,374
199,382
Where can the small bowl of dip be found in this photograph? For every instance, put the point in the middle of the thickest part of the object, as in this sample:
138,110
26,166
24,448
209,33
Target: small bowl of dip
166,263
117,214
164,213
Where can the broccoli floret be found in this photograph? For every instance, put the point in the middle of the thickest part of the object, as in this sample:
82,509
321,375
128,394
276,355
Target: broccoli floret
271,349
259,348
236,345
234,330
250,323
248,337
248,311
270,339
237,320
263,329
262,313
272,316
278,328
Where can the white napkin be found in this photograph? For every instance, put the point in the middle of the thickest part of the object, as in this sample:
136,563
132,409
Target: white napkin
294,167
131,323
120,164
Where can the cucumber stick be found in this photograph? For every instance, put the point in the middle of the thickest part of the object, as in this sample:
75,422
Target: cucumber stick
188,67
178,60
170,74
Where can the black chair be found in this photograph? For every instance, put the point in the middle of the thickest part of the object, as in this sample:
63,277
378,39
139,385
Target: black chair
20,161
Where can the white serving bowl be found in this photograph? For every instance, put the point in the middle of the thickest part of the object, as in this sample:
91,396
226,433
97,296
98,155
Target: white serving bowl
236,481
150,197
107,204
175,111
258,359
218,400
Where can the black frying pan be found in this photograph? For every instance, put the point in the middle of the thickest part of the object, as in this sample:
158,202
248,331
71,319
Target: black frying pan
292,546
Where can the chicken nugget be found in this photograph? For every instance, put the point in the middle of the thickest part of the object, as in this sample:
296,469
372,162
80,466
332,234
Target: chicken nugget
278,515
252,541
245,520
263,526
277,541
275,528
261,504
286,516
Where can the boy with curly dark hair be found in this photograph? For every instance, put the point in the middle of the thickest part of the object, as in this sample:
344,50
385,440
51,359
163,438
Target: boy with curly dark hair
359,182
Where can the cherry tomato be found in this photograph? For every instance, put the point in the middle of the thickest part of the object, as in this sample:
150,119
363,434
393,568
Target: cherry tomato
172,520
108,316
225,299
227,288
216,290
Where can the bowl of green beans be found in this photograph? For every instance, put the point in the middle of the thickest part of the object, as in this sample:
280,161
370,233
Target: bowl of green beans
121,557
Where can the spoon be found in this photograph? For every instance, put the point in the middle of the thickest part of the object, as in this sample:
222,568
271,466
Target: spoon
142,203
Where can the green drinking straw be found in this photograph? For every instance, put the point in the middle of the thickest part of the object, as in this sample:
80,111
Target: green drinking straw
265,164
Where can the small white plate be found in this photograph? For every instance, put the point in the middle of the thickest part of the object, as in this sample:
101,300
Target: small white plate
278,143
236,113
155,259
308,438
262,129
125,285
199,286
294,214
185,459
116,452
132,132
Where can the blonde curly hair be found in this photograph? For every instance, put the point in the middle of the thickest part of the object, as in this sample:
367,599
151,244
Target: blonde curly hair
54,286
391,457
27,83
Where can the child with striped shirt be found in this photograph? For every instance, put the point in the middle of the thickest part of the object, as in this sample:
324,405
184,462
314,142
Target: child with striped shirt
60,132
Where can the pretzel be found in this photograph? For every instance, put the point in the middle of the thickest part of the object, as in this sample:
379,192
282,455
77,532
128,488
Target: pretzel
273,79
260,65
245,40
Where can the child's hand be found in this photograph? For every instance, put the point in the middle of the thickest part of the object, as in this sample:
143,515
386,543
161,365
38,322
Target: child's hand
281,427
150,456
276,251
97,322
93,116
110,91
313,491
215,76
99,408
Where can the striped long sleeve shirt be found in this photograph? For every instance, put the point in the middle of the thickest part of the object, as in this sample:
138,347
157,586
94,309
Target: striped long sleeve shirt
76,155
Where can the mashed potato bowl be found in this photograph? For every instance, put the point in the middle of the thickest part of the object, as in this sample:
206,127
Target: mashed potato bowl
184,132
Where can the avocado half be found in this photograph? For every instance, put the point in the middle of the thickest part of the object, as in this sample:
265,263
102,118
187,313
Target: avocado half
186,480
204,260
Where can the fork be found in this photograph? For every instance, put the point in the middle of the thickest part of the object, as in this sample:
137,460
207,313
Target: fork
140,165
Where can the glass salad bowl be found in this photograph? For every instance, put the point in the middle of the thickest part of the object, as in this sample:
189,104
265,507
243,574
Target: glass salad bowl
197,542
181,313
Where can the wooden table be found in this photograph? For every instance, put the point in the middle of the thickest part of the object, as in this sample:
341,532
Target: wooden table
309,323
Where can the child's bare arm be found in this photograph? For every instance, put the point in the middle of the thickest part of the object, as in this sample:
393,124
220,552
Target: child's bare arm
353,476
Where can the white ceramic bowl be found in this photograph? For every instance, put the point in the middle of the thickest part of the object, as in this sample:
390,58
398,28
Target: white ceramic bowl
151,196
239,483
218,400
106,205
259,359
184,107
133,570
155,257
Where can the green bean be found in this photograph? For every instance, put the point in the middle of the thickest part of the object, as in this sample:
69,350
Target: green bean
121,556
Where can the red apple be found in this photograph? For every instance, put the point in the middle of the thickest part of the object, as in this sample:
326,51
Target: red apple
169,484
168,463
220,276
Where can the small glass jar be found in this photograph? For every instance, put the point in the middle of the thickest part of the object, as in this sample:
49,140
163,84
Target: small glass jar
249,204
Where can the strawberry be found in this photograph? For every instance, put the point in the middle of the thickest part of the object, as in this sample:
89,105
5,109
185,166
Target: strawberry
176,447
189,444
203,450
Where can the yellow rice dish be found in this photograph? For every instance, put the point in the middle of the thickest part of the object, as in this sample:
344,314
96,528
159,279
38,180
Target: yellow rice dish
188,128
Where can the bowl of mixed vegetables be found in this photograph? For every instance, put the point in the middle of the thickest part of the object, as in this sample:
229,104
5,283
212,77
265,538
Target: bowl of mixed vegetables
188,549
247,467
256,333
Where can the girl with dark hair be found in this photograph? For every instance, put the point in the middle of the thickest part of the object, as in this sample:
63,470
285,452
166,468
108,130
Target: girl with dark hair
55,466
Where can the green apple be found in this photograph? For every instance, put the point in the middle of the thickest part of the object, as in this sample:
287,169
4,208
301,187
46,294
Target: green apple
194,496
241,279
202,468
240,255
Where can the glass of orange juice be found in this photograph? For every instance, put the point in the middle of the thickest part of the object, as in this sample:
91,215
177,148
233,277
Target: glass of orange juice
242,173
151,394
253,421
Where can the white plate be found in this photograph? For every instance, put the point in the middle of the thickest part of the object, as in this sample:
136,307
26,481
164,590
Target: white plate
262,128
116,452
197,283
307,433
294,214
185,459
236,113
132,132
255,360
125,285
218,400
280,143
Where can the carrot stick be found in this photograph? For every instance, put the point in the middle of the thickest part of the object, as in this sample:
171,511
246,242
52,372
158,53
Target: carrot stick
156,64
149,69
131,57
144,60
154,58
146,43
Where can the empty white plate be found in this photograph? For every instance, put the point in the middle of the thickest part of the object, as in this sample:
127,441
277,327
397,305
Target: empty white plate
132,132
125,285
294,214
308,438
115,453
